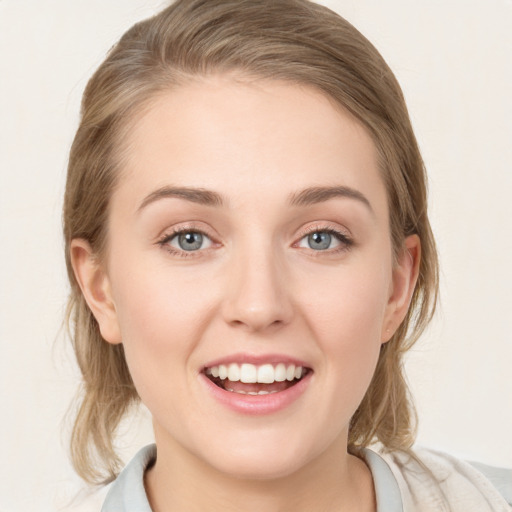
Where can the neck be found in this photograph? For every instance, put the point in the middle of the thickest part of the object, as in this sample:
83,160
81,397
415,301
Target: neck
333,482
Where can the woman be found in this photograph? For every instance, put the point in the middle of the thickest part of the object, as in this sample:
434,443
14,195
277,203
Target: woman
250,255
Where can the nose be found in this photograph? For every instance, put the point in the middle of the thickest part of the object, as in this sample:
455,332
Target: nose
258,296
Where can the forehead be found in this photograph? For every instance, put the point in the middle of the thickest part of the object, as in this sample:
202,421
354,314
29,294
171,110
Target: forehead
245,139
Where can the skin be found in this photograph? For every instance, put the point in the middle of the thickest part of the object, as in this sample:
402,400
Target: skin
256,286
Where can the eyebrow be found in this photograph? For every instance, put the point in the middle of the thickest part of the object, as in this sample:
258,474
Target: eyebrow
316,195
195,195
306,197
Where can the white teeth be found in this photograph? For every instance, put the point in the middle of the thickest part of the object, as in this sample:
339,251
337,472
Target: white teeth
234,372
248,373
266,374
280,373
223,371
251,374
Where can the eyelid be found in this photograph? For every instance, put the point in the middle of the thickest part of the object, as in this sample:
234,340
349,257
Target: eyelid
324,226
183,227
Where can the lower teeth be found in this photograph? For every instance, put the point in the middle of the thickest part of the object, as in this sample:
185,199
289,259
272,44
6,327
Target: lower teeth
251,392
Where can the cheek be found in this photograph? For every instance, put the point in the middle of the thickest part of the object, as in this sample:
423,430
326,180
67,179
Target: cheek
346,319
350,305
156,302
161,319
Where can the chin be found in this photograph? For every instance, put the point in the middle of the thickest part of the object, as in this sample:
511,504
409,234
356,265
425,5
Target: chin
261,468
261,459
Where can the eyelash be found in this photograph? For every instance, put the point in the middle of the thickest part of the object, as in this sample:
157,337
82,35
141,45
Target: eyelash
346,243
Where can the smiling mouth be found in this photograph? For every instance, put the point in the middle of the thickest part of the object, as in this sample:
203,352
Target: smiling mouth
249,379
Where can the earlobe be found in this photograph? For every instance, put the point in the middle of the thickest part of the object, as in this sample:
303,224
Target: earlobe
405,276
95,286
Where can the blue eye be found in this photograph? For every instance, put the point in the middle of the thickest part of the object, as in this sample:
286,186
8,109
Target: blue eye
189,241
319,241
323,240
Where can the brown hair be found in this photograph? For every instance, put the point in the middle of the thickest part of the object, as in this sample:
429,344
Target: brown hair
292,40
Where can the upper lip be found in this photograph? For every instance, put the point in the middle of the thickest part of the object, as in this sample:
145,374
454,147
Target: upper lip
257,360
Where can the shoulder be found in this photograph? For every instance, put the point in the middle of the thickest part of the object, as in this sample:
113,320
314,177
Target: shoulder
429,480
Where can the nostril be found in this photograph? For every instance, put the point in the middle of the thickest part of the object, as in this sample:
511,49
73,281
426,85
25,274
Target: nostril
253,322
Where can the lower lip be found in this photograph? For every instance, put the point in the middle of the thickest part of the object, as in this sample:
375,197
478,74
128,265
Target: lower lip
257,404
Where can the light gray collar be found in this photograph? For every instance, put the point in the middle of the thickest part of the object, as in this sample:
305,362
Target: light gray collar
127,493
387,492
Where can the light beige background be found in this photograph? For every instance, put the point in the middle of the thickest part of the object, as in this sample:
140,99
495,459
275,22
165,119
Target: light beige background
454,60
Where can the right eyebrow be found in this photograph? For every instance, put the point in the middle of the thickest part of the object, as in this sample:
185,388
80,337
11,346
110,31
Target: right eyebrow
195,195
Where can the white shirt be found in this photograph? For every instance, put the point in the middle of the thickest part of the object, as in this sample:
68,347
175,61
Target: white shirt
435,482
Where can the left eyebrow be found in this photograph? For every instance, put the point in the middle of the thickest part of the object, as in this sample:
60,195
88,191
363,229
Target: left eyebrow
314,195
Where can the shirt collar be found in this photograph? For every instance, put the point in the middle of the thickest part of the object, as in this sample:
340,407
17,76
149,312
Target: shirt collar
387,492
127,493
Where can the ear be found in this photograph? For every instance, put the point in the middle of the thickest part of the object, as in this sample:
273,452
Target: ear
95,286
405,275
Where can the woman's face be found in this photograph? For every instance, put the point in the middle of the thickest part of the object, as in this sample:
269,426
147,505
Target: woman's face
249,236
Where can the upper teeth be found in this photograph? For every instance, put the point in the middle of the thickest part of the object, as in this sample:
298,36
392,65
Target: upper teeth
249,373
